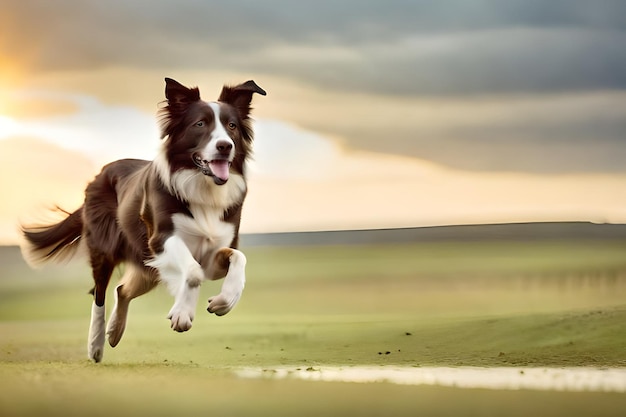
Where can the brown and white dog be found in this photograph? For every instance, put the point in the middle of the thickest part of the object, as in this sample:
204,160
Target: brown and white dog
173,220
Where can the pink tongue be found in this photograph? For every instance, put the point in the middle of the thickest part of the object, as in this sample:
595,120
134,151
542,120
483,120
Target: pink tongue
219,169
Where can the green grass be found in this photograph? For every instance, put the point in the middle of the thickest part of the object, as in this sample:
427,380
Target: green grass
444,304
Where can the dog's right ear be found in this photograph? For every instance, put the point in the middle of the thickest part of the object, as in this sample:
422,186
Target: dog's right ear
178,98
178,95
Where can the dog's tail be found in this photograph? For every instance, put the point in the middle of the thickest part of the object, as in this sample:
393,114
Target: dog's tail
56,242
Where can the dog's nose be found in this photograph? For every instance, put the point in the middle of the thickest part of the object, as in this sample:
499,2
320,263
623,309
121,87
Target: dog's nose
224,146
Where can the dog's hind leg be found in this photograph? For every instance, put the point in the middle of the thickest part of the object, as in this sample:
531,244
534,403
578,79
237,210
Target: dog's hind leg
102,270
135,282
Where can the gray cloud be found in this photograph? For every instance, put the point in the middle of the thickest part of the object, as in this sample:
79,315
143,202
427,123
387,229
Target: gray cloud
403,47
484,62
579,147
559,133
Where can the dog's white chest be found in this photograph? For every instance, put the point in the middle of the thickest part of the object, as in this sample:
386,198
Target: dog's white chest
204,233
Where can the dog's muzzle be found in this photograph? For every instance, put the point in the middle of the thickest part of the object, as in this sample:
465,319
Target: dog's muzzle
218,169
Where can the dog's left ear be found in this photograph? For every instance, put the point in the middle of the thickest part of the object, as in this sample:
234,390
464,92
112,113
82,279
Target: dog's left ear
240,96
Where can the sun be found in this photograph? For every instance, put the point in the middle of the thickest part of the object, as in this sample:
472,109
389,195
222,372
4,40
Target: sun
8,127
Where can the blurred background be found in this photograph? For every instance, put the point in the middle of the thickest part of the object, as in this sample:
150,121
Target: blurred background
378,114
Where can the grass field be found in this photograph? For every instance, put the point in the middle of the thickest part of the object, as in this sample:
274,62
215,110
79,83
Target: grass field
509,303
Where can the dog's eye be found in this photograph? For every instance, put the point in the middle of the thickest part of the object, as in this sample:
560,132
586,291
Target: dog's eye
200,123
232,126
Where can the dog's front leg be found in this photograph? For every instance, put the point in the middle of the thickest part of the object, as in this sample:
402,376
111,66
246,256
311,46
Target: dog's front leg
232,263
183,275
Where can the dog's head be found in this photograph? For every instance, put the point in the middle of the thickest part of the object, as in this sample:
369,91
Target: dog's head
214,137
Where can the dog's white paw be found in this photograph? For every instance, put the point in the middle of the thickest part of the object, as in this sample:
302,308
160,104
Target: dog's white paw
95,347
96,353
181,318
222,304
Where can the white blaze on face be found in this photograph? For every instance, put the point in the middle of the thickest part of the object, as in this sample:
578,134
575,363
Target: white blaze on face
219,166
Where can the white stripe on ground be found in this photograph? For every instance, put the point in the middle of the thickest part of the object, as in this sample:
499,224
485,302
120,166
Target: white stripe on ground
554,379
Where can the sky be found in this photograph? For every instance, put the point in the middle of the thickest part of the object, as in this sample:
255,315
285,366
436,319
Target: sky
378,114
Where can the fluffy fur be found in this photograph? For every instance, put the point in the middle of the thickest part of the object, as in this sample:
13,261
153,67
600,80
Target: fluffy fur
173,220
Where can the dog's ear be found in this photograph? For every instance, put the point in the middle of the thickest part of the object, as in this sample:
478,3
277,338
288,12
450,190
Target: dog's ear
178,95
178,98
240,96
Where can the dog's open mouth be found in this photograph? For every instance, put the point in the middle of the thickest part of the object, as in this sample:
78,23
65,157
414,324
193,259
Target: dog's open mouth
219,169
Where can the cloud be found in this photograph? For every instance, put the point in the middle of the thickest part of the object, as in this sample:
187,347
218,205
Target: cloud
285,151
396,47
102,132
499,61
546,133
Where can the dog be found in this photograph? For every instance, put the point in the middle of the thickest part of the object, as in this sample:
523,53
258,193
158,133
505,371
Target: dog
173,220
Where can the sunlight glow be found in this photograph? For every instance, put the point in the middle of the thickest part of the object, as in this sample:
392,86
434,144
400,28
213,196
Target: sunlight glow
8,127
